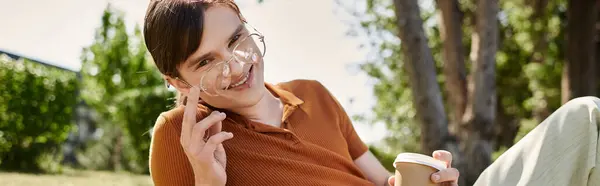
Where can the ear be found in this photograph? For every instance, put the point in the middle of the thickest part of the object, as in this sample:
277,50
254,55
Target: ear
178,84
242,18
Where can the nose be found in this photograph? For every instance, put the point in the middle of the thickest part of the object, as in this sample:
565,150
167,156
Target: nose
233,69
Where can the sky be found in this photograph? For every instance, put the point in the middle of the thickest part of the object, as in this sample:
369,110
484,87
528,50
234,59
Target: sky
306,39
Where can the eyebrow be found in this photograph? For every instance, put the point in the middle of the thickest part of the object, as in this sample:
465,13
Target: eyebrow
204,56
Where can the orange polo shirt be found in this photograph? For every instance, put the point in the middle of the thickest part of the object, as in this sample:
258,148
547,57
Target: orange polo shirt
315,145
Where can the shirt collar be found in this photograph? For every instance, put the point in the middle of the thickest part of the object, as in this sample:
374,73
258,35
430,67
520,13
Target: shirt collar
284,95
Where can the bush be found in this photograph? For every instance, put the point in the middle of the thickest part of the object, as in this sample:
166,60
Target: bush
36,112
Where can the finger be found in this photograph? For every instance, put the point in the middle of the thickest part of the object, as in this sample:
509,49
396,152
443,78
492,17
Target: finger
391,180
220,154
449,174
215,140
213,120
216,128
189,114
443,156
200,129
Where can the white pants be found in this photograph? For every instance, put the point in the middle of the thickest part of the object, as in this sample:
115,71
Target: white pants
563,150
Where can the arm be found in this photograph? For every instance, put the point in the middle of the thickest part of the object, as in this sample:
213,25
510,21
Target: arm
373,169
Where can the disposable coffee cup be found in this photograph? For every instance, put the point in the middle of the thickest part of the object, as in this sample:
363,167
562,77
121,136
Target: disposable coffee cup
415,169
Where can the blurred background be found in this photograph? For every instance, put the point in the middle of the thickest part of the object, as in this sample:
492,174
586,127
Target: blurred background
80,93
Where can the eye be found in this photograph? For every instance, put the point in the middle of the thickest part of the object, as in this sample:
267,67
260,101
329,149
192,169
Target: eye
201,64
234,39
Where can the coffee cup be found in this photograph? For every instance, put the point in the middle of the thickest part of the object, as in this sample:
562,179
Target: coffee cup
414,169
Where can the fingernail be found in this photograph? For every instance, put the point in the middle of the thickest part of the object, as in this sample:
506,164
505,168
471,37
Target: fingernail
436,177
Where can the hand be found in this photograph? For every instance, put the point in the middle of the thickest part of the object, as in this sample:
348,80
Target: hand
207,157
448,176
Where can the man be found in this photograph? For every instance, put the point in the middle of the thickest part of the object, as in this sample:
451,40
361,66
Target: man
235,129
231,128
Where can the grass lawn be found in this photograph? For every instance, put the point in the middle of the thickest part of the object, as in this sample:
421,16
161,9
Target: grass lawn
74,178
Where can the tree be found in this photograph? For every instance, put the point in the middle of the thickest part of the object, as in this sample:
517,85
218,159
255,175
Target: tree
454,60
481,110
422,76
526,67
579,77
480,113
122,85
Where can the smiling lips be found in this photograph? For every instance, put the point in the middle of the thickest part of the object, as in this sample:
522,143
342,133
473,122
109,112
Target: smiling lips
244,79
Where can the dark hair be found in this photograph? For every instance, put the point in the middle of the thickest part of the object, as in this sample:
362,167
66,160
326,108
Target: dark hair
173,31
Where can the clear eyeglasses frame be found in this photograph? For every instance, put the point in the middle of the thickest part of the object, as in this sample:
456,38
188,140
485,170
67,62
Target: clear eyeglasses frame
246,51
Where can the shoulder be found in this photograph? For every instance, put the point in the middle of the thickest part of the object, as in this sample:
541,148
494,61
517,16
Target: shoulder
305,88
169,122
166,151
164,123
313,93
164,129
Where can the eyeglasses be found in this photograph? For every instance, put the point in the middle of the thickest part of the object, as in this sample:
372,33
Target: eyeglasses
246,51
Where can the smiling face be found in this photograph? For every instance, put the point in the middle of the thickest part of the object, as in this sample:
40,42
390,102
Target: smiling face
227,62
227,81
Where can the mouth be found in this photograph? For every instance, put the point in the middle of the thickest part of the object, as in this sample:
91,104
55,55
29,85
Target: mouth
245,80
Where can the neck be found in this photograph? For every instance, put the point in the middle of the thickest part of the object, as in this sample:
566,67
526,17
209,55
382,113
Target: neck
262,111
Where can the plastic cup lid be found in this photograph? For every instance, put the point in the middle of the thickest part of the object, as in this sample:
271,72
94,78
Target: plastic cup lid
420,159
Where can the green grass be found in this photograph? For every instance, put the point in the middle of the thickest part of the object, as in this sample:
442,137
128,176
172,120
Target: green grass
74,178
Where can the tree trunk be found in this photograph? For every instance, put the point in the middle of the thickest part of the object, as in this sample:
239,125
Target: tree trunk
454,60
481,111
419,65
506,128
538,7
597,41
579,78
116,151
450,21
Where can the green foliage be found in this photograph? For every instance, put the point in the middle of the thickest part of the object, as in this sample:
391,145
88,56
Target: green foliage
531,57
36,113
143,107
121,83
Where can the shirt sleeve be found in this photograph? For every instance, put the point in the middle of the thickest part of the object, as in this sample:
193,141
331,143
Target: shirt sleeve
356,146
168,162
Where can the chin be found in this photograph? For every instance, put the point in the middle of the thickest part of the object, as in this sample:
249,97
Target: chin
240,99
251,97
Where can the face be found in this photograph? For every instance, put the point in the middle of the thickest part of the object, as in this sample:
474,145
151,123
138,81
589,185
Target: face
223,66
